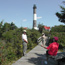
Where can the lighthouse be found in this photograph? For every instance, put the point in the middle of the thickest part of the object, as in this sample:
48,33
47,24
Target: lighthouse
34,17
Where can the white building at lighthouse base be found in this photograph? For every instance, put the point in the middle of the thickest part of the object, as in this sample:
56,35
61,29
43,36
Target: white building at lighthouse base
36,28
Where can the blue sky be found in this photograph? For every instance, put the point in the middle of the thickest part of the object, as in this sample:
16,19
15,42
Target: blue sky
21,12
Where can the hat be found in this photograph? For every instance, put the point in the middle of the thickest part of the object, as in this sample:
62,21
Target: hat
56,38
24,30
42,33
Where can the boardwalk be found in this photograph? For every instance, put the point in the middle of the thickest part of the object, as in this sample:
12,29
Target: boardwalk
35,57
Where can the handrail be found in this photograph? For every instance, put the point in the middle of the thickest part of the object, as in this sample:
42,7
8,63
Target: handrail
39,40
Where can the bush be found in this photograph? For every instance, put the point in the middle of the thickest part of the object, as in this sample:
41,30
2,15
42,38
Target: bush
12,46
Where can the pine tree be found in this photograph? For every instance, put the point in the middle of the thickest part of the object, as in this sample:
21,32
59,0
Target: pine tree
61,15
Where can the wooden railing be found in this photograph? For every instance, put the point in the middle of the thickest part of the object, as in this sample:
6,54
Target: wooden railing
39,40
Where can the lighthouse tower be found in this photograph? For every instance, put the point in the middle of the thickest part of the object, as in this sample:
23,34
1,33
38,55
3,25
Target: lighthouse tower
34,17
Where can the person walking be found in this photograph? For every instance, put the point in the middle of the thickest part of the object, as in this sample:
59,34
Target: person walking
52,49
43,39
25,41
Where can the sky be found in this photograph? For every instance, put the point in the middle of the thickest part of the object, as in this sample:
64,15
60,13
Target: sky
20,12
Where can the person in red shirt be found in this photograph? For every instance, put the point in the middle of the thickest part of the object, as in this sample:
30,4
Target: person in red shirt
52,49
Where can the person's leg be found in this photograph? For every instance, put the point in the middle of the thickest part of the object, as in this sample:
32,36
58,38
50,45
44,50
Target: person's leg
47,57
24,48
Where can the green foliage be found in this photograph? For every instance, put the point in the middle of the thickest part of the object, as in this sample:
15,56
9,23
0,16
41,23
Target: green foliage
60,28
46,33
6,27
13,26
61,15
40,26
11,42
1,28
33,35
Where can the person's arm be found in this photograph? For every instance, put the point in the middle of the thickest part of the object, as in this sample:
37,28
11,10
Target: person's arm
48,48
25,41
43,46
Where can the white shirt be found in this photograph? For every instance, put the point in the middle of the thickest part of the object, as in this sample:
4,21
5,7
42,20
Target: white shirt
24,36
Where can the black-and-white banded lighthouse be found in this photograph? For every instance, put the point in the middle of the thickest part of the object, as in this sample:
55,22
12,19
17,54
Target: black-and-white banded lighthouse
34,17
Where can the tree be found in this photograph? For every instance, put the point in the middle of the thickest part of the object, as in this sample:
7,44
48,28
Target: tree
40,26
61,15
13,26
63,2
1,25
6,27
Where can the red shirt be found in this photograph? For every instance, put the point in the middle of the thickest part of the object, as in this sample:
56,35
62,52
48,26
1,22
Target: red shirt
53,48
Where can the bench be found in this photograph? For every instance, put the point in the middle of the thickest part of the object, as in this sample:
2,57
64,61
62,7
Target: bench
60,58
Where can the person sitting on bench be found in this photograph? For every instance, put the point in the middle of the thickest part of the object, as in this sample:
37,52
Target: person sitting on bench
52,49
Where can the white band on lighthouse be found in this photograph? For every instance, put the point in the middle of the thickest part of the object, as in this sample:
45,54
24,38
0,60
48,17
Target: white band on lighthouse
34,17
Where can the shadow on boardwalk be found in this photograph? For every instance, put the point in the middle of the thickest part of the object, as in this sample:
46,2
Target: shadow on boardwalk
40,60
37,61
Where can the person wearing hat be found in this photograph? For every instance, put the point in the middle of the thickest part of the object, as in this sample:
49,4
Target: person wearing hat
25,41
52,48
43,39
